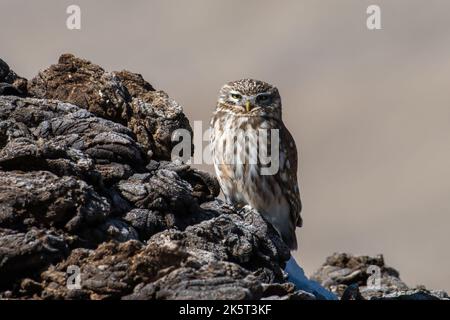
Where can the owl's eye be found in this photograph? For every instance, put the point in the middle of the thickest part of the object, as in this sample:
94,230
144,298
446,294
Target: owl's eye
263,99
236,96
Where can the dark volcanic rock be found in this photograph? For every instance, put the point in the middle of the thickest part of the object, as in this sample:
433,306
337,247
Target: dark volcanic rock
215,280
60,136
23,254
113,270
84,84
87,192
243,238
122,97
10,83
44,200
355,278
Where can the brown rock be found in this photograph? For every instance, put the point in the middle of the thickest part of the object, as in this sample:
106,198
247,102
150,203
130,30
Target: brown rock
122,97
24,254
44,200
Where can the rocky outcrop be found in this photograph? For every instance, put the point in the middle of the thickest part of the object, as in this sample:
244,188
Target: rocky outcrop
122,97
364,277
10,82
92,207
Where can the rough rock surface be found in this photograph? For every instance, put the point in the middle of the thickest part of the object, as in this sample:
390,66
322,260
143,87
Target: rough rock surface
10,82
122,97
91,207
364,277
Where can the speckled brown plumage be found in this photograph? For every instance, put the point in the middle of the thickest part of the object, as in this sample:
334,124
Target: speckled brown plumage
244,108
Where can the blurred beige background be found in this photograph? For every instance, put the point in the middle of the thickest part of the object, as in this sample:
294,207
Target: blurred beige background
370,110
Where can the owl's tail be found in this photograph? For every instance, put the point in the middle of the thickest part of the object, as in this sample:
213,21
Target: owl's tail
290,238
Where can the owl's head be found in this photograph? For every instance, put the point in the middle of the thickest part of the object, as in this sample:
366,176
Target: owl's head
248,97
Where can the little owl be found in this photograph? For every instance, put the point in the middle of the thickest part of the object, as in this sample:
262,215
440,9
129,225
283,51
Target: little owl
254,106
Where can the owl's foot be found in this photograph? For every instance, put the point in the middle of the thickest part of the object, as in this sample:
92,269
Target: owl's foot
296,275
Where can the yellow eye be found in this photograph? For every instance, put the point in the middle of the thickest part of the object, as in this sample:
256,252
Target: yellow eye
263,98
236,96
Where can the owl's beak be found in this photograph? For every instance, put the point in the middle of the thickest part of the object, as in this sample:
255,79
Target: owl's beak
248,106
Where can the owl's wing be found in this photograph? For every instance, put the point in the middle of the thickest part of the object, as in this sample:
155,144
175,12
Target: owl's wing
287,174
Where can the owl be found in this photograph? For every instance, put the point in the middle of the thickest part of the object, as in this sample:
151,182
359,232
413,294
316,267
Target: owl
254,106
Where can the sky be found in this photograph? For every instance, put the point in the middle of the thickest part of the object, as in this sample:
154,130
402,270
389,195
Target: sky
369,109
